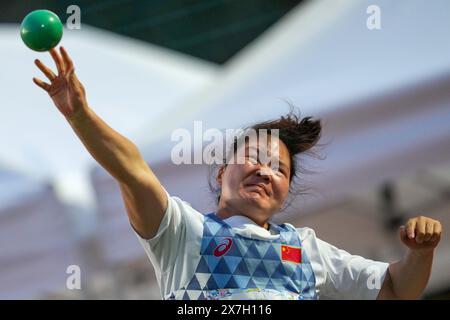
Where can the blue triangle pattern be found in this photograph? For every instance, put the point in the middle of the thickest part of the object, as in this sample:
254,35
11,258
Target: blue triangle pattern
213,227
260,282
252,252
251,284
211,284
248,264
221,279
262,247
206,231
202,266
232,284
298,275
221,268
234,250
211,261
232,262
206,243
241,281
242,269
279,272
271,266
286,236
252,264
270,285
278,283
243,245
290,268
271,254
212,245
290,285
260,271
223,232
308,273
193,284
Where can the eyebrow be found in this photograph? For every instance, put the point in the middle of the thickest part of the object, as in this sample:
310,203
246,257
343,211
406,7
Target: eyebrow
281,162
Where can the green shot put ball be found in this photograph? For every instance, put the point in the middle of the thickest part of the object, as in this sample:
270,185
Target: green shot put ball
41,30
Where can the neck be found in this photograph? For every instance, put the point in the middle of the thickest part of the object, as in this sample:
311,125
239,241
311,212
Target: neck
225,213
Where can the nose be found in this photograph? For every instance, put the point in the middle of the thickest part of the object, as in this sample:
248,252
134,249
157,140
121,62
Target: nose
265,173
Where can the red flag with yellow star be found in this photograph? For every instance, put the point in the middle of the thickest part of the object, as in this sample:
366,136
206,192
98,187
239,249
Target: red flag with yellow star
291,254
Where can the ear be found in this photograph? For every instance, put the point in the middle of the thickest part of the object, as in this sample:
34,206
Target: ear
220,174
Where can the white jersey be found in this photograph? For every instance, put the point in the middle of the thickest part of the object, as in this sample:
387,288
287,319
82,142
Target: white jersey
177,248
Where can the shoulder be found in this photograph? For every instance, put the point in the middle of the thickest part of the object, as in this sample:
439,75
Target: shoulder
188,217
308,239
310,242
183,207
305,233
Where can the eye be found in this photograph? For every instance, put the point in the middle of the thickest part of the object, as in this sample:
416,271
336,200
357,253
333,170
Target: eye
279,171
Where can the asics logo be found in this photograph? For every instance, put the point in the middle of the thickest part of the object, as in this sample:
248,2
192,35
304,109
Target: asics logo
223,248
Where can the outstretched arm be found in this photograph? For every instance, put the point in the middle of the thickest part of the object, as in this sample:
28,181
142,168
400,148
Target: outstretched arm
144,197
408,277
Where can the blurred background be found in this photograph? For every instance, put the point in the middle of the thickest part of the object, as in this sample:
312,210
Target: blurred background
150,67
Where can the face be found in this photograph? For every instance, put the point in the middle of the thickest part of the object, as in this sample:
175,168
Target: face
252,188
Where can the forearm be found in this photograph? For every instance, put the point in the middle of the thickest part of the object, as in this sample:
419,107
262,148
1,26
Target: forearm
115,153
410,275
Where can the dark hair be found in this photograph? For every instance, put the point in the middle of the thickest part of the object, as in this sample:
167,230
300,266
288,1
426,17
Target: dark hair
299,135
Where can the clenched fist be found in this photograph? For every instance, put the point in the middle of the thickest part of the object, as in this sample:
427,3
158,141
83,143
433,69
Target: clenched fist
421,233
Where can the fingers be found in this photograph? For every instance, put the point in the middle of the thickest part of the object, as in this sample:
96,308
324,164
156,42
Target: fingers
41,84
67,61
437,231
410,228
423,229
48,73
58,61
428,231
420,230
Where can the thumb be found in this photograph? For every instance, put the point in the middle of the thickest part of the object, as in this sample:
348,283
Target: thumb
402,233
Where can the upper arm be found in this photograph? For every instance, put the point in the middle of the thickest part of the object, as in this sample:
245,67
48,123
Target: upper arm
146,202
350,276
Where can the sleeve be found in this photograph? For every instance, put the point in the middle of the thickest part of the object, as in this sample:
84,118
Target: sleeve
167,250
350,276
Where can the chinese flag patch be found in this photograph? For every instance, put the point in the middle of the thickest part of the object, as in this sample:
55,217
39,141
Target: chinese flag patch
291,254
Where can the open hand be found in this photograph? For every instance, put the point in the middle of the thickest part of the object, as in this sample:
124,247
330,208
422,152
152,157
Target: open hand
65,89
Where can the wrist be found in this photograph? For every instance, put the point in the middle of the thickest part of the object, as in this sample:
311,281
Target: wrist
79,116
421,253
